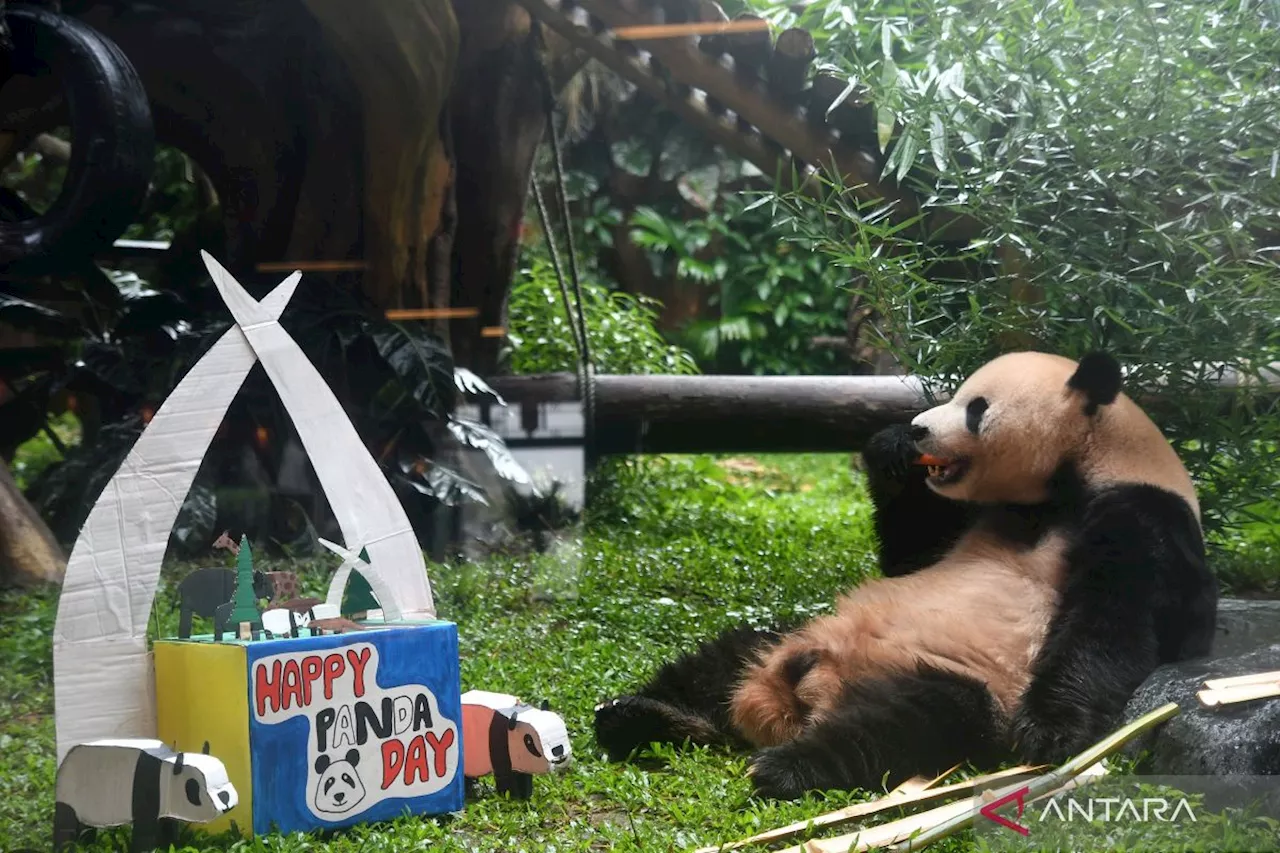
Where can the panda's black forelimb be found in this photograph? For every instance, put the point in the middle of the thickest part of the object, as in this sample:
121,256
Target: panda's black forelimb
885,731
686,700
146,803
915,526
1138,594
67,828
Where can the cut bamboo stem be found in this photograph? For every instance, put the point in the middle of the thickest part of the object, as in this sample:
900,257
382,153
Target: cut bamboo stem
1255,678
1050,781
1239,693
899,797
901,830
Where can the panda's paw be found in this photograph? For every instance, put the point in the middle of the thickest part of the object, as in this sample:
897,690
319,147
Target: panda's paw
628,723
1047,730
776,773
890,452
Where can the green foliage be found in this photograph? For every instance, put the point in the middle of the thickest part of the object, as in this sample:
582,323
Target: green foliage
1119,162
39,452
621,333
772,296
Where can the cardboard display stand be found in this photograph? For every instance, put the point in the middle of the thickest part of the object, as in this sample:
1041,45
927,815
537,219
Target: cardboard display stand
326,731
317,730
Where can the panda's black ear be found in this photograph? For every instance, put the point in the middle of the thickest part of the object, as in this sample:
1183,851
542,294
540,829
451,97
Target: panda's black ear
1098,378
322,763
512,722
205,749
546,704
353,757
177,764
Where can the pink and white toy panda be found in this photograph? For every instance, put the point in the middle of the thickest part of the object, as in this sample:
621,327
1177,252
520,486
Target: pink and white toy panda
513,741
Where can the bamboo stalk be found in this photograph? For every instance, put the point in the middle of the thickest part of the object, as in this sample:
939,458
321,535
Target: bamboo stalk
900,797
897,831
1239,693
1049,781
698,28
1256,678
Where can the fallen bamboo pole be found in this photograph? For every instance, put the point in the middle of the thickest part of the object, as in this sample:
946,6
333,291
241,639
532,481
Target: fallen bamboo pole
898,798
1049,782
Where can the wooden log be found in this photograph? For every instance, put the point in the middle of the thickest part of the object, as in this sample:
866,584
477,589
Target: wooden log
751,50
789,65
29,555
854,118
754,414
731,414
714,46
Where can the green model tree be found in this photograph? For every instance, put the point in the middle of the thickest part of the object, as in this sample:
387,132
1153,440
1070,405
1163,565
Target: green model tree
358,598
246,600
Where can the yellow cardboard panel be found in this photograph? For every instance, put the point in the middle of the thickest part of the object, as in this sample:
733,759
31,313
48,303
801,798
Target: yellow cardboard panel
201,695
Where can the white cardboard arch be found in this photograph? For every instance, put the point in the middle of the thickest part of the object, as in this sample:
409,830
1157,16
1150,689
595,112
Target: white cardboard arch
103,676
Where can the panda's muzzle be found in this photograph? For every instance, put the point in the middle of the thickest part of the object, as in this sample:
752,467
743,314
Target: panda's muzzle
943,471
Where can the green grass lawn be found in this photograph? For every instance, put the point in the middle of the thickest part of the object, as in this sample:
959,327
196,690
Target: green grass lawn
675,550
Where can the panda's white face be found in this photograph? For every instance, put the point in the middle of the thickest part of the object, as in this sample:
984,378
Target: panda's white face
1010,427
339,789
196,790
539,743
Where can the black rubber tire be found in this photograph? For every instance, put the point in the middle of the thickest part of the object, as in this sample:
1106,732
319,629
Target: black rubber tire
113,139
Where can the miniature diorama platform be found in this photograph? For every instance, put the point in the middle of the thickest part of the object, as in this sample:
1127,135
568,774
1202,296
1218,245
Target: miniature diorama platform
324,731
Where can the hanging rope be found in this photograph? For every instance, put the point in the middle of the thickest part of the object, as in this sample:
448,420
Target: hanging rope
577,319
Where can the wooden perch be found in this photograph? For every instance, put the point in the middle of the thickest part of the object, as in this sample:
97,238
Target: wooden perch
714,46
789,66
753,46
753,414
701,28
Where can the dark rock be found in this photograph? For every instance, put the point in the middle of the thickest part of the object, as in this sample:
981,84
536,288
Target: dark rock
1238,743
1245,625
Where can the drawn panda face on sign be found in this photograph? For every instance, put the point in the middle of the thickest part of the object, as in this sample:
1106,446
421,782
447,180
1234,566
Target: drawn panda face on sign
339,788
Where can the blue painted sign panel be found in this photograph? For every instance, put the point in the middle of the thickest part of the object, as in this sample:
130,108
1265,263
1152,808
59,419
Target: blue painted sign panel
356,727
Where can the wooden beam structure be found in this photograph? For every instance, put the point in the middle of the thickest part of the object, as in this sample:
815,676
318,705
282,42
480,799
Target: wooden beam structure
730,414
757,414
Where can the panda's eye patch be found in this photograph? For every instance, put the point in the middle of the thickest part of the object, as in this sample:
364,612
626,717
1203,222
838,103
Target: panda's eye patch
193,792
973,413
529,745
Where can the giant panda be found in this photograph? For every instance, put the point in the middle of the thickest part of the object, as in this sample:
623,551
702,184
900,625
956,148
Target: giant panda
1047,558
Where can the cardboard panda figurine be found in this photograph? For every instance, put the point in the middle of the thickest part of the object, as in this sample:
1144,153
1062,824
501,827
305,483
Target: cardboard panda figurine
114,782
511,740
1042,553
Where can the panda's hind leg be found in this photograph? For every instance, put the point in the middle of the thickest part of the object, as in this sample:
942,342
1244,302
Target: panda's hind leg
887,730
685,700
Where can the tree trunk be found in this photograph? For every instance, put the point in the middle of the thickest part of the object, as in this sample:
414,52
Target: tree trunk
28,553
